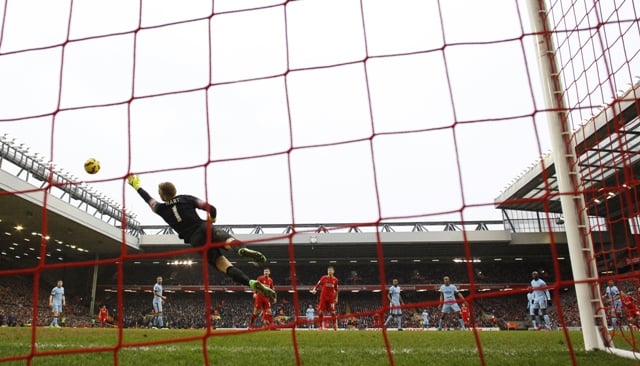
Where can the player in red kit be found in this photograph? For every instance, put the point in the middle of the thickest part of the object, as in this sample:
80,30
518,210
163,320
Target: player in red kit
102,316
630,309
328,285
261,303
464,314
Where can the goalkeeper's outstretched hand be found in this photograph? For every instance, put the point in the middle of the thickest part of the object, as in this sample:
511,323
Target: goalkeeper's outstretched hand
134,181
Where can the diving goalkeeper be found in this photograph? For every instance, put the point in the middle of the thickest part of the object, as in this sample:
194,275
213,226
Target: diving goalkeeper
179,211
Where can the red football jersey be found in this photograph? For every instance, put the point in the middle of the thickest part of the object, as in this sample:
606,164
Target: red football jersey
328,287
464,312
103,313
629,305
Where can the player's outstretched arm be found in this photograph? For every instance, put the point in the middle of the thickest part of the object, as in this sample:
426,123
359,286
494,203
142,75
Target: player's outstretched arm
134,181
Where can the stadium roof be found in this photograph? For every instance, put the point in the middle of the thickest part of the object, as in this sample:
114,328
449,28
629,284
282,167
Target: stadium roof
76,235
606,148
72,234
398,242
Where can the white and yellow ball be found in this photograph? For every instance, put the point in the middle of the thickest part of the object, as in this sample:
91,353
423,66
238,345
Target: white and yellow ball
91,166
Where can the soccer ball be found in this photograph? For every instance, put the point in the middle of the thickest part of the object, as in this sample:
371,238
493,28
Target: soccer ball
92,166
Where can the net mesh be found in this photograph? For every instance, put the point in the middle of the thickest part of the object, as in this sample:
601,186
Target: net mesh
359,114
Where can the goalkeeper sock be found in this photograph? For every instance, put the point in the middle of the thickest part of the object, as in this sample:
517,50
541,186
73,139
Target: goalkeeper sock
238,276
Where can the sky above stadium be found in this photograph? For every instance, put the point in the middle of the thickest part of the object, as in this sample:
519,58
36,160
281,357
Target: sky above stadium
313,111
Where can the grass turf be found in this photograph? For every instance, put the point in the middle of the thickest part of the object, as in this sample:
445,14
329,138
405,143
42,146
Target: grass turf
97,346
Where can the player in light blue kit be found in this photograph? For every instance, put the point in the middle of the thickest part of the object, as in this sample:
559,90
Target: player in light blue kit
425,319
311,315
613,299
449,303
158,301
541,299
56,301
395,301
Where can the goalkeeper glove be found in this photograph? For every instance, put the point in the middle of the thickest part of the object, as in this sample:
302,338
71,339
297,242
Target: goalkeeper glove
134,181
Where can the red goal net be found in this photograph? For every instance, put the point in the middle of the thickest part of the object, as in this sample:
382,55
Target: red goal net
406,140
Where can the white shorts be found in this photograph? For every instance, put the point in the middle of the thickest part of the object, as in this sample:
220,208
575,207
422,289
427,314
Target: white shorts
157,306
539,303
450,307
395,309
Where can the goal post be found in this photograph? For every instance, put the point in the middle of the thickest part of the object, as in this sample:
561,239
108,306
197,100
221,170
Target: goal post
593,318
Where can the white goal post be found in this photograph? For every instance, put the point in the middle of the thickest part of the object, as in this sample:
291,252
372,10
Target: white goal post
584,267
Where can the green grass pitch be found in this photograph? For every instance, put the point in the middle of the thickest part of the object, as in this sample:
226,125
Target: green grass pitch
185,347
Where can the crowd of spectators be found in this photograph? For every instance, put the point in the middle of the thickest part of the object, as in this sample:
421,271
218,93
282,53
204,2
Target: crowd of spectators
353,274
